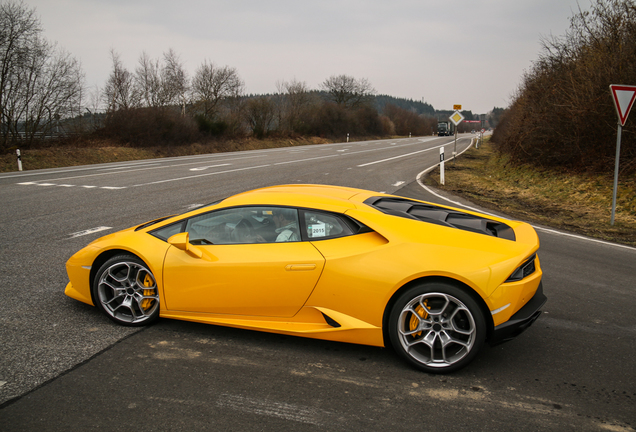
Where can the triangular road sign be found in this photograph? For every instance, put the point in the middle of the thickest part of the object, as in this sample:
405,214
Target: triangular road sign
624,97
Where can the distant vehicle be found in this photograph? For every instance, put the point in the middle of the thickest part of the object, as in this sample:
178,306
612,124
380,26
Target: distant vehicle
444,129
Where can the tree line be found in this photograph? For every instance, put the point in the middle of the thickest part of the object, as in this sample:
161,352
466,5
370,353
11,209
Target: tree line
563,114
42,94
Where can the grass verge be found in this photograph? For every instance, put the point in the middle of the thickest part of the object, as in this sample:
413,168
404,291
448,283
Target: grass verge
575,203
101,151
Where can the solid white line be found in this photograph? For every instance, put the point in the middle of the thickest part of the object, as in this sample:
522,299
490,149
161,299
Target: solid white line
130,164
206,167
305,160
146,168
200,175
401,156
89,231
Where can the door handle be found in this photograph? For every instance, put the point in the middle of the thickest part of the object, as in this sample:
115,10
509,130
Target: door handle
300,267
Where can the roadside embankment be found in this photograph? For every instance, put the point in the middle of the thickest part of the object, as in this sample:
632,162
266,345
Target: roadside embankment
578,203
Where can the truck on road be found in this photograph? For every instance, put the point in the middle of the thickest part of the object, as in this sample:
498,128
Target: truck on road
444,128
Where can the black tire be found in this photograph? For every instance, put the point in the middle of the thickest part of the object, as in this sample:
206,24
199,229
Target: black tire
437,327
126,291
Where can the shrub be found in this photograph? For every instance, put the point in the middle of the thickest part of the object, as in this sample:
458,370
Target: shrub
563,114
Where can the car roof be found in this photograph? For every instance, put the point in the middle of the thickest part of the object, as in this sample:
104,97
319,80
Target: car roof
301,195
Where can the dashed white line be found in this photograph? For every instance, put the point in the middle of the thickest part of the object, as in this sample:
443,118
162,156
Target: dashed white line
70,185
89,231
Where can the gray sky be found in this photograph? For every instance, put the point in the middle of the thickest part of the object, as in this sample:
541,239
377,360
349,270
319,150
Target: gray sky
468,52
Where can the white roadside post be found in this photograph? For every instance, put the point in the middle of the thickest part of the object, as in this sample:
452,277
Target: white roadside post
19,159
623,100
441,166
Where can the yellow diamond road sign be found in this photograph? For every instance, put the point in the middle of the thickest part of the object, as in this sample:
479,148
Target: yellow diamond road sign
456,118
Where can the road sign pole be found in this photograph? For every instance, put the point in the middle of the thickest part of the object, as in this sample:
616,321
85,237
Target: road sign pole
616,164
624,97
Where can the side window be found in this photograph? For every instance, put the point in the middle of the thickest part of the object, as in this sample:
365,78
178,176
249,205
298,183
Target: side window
319,225
244,225
168,231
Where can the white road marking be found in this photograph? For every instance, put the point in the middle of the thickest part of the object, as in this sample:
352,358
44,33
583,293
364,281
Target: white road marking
137,169
400,156
89,231
200,175
283,410
206,167
70,185
400,183
129,166
305,160
193,206
145,165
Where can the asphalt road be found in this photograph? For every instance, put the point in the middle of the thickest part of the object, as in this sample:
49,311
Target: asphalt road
63,366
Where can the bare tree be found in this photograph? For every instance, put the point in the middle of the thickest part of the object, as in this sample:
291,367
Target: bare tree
212,84
174,80
39,84
260,113
120,92
348,91
297,98
148,81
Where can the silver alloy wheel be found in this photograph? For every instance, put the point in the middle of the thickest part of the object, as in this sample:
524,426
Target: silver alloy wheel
436,329
128,292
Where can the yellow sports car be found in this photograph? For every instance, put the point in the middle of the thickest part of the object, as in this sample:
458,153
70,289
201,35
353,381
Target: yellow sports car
325,262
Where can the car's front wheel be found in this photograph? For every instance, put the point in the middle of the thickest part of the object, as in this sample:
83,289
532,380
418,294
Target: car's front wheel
437,327
127,291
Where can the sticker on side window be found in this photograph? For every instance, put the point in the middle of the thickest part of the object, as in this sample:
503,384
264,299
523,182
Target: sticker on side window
317,230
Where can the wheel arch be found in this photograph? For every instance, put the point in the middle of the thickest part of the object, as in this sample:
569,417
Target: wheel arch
99,262
432,279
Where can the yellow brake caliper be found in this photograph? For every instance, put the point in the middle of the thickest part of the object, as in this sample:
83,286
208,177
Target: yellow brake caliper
414,322
148,283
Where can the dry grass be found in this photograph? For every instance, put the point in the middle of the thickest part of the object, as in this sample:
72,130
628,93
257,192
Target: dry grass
99,151
571,202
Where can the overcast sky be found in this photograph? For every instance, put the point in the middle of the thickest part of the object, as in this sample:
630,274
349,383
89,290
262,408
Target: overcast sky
468,52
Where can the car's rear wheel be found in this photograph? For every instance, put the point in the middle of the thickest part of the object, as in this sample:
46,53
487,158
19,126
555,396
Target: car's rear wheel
127,291
437,327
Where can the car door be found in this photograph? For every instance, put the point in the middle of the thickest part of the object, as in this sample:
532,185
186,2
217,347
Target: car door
245,271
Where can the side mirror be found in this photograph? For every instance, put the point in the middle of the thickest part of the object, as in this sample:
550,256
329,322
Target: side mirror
182,241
